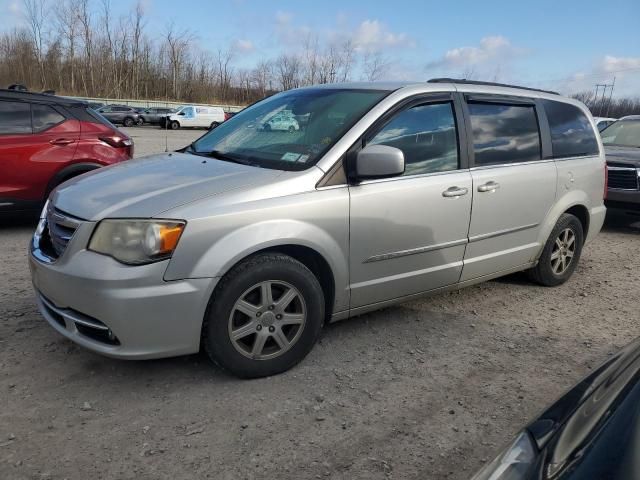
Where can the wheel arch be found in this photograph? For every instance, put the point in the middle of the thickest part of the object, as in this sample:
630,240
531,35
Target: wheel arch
574,202
68,172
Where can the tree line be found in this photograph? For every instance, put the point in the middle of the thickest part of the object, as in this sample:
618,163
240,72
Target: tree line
604,106
77,47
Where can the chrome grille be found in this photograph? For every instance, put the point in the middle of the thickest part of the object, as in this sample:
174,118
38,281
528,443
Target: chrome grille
623,178
60,228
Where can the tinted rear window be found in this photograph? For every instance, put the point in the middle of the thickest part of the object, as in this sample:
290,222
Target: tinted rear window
504,133
15,117
571,131
44,117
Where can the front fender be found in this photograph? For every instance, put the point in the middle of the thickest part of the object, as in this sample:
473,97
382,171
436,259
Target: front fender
221,255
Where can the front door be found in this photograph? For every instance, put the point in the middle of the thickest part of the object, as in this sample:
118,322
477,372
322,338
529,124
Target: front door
408,233
513,187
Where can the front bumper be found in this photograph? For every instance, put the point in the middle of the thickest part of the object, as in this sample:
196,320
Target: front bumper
117,310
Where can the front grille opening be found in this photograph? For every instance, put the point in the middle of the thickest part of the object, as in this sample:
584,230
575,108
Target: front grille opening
55,315
102,336
46,246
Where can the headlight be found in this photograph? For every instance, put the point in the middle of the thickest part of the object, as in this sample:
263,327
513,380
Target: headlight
136,241
514,463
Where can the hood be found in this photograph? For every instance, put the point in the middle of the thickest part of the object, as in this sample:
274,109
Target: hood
623,155
598,419
148,186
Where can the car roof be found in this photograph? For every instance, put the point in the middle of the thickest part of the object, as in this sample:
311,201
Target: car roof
450,84
631,117
39,97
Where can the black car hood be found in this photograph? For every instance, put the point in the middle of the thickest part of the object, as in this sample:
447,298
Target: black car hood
596,425
623,155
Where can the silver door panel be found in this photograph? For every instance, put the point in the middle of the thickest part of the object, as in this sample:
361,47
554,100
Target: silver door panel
506,220
406,237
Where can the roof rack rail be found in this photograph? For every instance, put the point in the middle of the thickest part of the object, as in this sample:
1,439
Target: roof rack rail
490,84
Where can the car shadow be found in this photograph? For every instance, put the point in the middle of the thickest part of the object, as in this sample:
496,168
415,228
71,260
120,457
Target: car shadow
9,220
622,222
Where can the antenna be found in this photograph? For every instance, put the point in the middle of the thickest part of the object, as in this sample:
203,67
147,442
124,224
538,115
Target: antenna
166,132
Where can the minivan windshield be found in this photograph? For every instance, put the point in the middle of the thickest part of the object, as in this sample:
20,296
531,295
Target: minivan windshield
290,130
623,133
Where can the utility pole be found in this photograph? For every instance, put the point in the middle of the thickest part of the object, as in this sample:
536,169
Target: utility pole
604,87
610,95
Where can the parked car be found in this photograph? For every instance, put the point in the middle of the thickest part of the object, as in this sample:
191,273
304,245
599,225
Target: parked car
283,121
246,242
195,116
589,433
121,114
622,146
46,140
95,105
603,122
153,115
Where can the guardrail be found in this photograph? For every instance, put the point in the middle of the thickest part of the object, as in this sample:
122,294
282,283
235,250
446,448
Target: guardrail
155,103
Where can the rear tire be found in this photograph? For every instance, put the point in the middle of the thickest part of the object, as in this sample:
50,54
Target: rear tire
174,125
128,122
213,125
264,316
561,253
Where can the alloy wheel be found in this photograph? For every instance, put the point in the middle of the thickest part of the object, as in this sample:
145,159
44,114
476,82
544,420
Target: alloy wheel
267,320
563,251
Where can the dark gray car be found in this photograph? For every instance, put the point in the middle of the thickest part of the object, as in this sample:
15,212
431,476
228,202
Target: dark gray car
153,115
121,114
622,146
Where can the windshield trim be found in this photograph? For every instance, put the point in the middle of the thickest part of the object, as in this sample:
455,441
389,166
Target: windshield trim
297,167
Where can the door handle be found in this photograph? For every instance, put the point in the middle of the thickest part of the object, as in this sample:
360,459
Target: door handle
455,192
61,141
489,187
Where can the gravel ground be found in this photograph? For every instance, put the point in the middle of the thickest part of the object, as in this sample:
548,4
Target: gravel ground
429,389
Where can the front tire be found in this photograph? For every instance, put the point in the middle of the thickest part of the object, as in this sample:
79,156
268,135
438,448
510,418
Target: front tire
264,317
213,125
561,253
174,125
128,122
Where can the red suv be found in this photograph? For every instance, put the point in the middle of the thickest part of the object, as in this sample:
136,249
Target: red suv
45,140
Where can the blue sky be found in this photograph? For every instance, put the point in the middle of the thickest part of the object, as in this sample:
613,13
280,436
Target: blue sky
567,45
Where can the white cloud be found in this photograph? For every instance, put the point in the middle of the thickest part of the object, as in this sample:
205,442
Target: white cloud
243,46
374,36
491,50
619,64
624,70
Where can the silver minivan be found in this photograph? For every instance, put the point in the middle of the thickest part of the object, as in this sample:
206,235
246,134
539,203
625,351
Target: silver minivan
248,241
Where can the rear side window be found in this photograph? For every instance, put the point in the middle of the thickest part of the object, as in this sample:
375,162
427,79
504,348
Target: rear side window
571,131
427,136
15,117
504,133
44,117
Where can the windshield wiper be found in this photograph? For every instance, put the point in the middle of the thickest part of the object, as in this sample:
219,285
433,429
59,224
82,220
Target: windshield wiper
227,158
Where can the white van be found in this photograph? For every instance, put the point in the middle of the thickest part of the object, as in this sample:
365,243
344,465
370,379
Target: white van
196,116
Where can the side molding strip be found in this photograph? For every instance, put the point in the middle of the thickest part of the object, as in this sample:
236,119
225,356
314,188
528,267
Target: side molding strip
414,251
484,236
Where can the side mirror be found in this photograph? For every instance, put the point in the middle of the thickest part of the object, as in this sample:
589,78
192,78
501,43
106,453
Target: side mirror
379,161
181,113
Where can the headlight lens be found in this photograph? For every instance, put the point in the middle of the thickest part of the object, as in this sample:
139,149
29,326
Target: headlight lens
512,464
137,241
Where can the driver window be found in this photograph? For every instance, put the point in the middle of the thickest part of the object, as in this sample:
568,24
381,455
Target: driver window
427,136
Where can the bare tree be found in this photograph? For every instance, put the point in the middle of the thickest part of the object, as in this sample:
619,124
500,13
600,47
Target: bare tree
35,11
288,69
178,43
374,65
